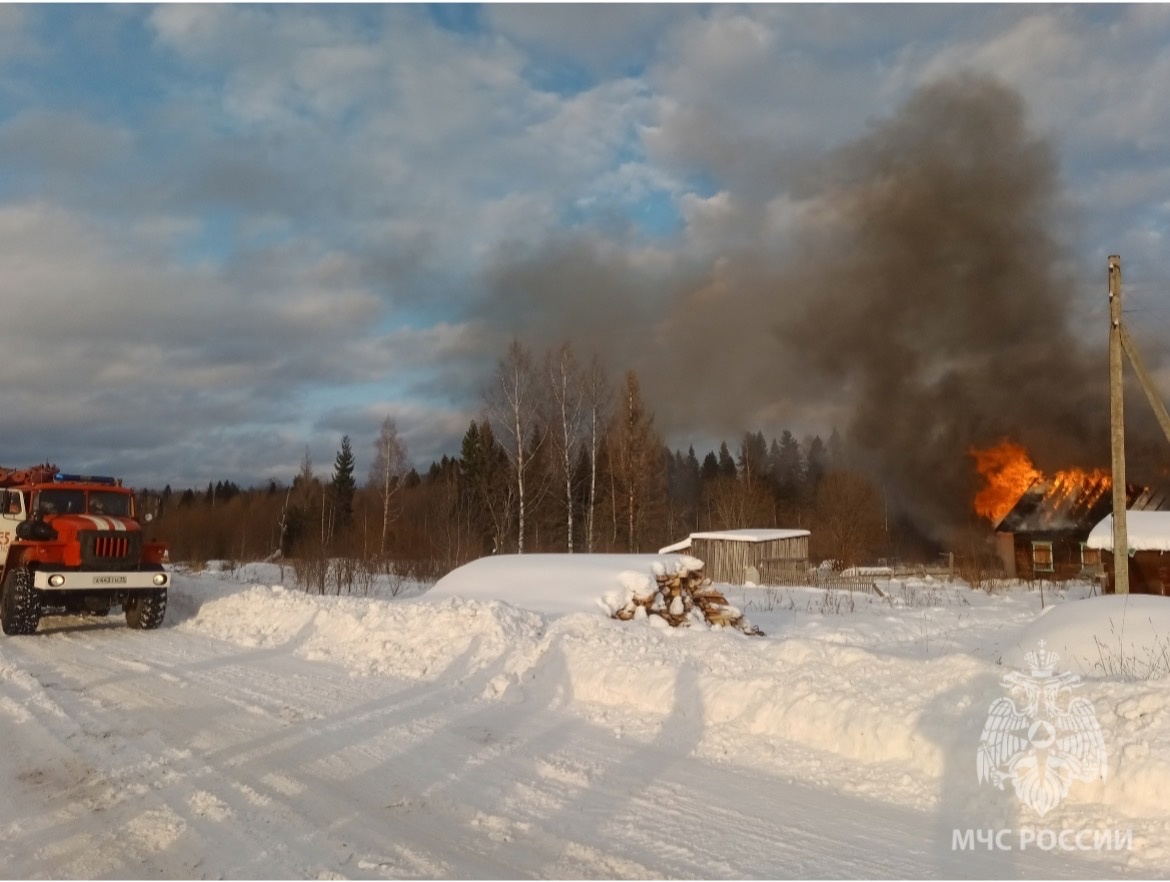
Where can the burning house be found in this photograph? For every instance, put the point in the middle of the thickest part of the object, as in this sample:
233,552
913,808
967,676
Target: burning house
1046,534
1043,523
1043,536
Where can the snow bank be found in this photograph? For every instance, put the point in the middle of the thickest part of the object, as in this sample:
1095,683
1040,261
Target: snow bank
554,584
886,701
406,639
1110,636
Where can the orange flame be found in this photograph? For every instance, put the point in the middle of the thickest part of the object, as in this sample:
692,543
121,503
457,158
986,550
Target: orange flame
1009,472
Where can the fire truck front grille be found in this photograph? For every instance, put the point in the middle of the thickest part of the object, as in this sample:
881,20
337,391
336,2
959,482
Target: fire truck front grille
109,550
111,546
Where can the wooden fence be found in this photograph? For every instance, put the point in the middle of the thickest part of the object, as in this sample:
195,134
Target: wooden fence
789,577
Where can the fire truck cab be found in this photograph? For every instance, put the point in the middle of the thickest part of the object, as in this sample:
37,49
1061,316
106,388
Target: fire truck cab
72,544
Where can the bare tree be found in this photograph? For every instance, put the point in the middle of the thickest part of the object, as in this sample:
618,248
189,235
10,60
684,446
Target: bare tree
514,406
568,401
598,396
386,474
451,533
737,502
635,459
848,518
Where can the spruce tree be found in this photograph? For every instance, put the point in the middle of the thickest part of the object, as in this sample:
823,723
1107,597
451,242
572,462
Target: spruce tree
710,469
726,462
343,485
789,468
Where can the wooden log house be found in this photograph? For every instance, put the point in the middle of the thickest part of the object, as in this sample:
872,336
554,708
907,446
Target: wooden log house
1045,534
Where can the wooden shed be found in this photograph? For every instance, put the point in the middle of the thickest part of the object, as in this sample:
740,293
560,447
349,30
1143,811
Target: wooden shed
735,557
1045,534
1148,534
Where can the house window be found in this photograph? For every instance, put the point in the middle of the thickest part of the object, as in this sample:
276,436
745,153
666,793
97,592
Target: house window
1042,557
1090,557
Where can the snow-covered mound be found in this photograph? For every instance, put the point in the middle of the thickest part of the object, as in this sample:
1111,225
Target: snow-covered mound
1110,636
554,584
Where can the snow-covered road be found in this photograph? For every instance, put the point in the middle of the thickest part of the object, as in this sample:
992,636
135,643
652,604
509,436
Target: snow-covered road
181,754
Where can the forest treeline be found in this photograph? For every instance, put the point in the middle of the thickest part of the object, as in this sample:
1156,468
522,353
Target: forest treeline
561,459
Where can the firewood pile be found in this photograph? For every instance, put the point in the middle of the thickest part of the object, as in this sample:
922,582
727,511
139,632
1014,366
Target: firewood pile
681,595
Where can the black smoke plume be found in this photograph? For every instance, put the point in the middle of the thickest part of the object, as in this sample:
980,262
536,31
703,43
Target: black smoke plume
927,304
941,303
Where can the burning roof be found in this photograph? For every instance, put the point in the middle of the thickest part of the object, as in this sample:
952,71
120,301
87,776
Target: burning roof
1072,500
1018,498
1076,500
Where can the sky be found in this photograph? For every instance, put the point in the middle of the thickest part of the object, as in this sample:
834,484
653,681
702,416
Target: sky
233,233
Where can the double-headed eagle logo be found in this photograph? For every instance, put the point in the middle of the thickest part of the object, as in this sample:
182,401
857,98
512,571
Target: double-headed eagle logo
1046,741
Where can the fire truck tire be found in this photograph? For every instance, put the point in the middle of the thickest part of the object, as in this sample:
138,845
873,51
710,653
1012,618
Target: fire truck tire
146,610
20,603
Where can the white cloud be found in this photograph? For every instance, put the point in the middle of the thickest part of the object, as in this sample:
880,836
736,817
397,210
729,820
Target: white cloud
17,41
313,174
190,28
600,37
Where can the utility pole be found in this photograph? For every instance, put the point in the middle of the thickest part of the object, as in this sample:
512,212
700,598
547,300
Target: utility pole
1117,431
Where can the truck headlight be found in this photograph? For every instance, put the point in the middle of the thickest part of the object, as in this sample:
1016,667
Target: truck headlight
56,580
160,579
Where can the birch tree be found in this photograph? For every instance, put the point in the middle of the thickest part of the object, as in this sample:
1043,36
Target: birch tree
567,401
598,396
514,406
386,473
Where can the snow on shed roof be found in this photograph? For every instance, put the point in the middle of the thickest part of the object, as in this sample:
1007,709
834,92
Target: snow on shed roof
1145,531
735,536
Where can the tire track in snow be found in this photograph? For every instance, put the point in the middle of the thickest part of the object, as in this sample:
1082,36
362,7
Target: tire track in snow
126,721
222,760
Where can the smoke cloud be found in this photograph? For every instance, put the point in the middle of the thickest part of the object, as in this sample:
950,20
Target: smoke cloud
925,305
941,302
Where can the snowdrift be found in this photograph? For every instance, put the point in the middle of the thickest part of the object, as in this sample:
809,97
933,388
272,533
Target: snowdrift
555,584
883,701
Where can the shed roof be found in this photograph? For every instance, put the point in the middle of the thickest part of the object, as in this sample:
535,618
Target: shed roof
1145,531
746,535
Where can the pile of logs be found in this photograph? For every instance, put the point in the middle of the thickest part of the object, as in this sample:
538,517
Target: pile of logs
681,594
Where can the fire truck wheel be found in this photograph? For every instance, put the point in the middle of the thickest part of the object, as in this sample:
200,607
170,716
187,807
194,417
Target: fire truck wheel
20,603
145,611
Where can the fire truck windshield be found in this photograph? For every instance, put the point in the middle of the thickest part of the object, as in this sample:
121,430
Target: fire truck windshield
109,504
99,502
60,502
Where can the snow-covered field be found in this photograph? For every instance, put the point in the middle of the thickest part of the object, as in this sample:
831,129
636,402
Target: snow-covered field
263,732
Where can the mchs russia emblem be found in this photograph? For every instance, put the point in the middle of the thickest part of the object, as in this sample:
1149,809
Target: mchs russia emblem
1041,738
